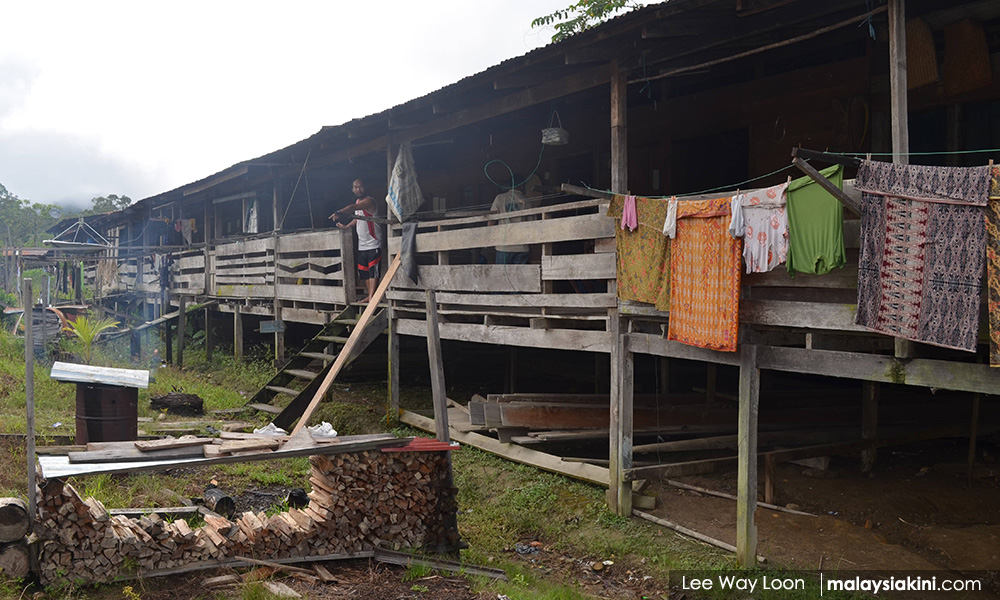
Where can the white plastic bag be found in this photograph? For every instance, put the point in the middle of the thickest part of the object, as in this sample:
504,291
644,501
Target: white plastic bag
404,197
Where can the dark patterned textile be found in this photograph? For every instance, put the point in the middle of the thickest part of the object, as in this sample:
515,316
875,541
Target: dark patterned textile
949,185
993,264
921,262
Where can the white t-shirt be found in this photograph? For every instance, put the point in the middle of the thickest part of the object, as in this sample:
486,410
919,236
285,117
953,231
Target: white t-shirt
369,232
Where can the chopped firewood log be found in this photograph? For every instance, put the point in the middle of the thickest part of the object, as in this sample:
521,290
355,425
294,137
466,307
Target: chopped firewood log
176,403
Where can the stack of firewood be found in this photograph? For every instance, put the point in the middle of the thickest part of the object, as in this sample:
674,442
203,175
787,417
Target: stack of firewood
359,501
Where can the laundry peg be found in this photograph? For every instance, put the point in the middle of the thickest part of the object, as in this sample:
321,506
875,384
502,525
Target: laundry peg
868,157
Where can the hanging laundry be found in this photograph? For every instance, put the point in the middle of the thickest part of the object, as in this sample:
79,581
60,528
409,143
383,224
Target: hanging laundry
993,264
629,217
670,222
643,268
760,218
704,276
923,243
815,225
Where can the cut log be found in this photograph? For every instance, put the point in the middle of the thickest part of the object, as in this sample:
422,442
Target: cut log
14,523
14,560
176,403
218,501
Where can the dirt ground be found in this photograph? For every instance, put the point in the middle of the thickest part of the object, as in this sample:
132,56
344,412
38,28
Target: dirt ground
916,511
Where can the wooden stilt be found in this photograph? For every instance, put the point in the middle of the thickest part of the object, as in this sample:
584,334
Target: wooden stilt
770,466
27,299
181,328
437,369
746,529
394,366
209,338
511,386
973,431
620,446
869,423
237,332
168,340
899,110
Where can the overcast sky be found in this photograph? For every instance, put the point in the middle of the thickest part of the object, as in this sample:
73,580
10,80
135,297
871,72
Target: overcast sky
136,98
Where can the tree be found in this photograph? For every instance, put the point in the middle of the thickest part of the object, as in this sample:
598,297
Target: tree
88,330
581,16
23,221
106,204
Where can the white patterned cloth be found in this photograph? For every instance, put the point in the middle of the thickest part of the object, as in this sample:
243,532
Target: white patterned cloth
670,223
760,218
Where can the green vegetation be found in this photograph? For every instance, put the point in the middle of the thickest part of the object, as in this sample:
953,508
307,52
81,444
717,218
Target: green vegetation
87,330
581,15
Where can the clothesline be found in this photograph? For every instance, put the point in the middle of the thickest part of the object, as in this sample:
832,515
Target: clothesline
731,186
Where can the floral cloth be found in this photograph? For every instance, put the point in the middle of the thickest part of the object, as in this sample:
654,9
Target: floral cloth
704,276
643,267
759,217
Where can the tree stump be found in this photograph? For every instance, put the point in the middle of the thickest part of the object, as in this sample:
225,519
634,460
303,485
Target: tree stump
14,522
14,560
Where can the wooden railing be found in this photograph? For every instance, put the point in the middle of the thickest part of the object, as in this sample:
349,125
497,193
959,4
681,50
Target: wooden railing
562,299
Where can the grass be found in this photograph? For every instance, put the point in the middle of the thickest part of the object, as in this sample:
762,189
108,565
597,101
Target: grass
500,503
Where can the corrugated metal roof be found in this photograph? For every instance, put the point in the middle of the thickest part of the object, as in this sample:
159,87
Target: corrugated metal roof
74,373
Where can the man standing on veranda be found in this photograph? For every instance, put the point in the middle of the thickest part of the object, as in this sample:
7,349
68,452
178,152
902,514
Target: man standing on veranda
369,255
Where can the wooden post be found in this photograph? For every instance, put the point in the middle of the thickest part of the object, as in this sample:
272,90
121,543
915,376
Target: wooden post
27,299
664,375
348,265
620,419
869,423
279,336
437,369
181,329
393,412
237,332
898,102
619,131
168,340
973,431
209,337
746,477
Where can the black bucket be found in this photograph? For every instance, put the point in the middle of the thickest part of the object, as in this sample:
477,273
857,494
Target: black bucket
106,413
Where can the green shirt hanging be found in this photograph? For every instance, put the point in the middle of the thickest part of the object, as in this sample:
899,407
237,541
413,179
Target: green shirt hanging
815,225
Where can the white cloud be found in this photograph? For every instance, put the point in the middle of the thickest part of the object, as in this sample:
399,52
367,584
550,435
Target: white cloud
136,98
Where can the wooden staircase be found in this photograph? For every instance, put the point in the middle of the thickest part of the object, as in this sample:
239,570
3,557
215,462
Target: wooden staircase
303,373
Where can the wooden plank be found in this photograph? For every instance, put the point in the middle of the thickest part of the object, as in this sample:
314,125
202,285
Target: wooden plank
827,185
134,455
941,374
583,227
621,422
806,315
313,241
476,278
482,217
566,339
579,266
254,444
519,454
658,346
366,316
327,294
243,291
165,444
235,249
746,478
845,278
595,301
690,533
437,370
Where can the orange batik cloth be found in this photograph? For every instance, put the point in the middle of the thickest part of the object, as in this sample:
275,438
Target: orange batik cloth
705,276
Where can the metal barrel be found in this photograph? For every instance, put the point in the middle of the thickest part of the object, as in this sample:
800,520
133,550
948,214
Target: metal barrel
106,413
